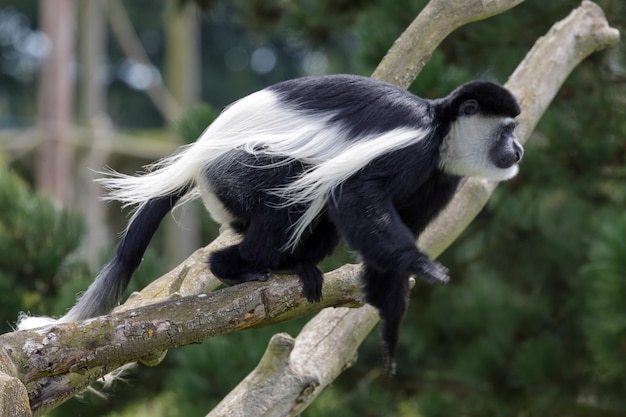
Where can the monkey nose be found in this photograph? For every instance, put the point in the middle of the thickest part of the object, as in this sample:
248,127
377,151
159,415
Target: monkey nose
518,152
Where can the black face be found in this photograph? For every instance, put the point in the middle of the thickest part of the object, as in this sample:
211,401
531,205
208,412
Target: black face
506,151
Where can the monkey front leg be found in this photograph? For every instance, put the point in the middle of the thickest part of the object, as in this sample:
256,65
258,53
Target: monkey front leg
390,255
375,230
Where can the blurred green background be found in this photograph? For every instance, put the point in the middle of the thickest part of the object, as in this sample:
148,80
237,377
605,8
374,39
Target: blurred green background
534,320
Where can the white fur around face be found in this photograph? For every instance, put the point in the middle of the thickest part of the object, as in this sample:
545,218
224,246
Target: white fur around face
465,151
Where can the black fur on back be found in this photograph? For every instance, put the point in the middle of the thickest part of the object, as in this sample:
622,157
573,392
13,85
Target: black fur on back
361,104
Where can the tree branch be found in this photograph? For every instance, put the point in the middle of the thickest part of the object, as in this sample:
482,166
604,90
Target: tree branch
412,50
57,361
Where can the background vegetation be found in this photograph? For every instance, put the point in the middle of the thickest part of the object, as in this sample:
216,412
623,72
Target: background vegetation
534,321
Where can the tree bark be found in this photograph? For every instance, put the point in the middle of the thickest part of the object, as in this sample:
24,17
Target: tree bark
182,77
55,100
413,49
13,393
57,361
98,129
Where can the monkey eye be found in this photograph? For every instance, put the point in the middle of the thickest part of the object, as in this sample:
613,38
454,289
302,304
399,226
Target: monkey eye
508,128
468,107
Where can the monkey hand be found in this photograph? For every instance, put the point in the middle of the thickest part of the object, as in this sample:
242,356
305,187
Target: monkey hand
433,272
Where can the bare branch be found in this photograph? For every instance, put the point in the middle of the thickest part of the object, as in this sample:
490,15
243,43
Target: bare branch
13,394
56,361
293,372
133,333
412,50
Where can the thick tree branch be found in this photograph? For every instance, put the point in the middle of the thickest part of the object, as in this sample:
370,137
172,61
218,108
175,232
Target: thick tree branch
133,333
412,50
56,361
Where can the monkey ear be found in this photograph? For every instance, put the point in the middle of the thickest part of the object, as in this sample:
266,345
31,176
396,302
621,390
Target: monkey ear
468,107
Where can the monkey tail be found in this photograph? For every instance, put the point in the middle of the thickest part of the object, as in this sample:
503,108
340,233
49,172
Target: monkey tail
107,289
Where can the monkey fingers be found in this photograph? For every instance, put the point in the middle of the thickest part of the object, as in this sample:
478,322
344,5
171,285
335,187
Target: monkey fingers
432,272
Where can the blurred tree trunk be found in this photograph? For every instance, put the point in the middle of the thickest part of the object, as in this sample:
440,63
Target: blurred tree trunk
97,127
182,80
55,99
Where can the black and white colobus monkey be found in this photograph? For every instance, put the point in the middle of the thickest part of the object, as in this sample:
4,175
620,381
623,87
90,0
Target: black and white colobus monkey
296,166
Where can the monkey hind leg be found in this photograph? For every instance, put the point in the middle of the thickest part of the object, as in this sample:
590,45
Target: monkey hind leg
388,292
320,243
230,268
264,241
311,278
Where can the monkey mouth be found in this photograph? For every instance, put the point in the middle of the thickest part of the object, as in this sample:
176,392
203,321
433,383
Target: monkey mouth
505,173
509,161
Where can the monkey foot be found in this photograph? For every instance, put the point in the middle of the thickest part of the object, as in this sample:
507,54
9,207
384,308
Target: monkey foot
245,277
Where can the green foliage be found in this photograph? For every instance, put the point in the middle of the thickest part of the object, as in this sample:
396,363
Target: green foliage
194,122
164,405
316,21
604,290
